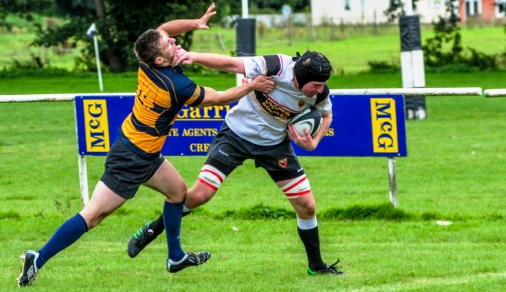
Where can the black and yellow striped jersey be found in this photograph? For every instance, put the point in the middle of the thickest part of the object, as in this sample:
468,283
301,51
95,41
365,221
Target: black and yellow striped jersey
161,92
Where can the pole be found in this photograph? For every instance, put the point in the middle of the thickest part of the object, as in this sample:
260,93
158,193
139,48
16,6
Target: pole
92,32
95,41
408,7
392,182
244,8
413,71
245,38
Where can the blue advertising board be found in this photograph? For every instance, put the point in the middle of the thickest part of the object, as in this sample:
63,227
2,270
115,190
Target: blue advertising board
362,125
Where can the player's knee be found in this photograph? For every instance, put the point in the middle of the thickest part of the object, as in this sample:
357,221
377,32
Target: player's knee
210,180
198,196
305,211
181,194
174,194
92,219
308,209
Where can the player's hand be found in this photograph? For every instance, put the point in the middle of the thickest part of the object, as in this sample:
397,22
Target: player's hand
181,56
262,83
202,22
305,141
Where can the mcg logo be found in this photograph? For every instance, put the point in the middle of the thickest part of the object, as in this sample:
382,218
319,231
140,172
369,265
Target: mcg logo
384,125
96,125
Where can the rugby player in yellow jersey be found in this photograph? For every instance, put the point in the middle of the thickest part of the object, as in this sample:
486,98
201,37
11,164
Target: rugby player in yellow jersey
134,158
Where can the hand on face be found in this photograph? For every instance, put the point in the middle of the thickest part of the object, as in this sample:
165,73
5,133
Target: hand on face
181,55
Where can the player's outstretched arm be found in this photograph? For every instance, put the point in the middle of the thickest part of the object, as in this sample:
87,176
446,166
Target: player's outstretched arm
176,27
212,97
216,61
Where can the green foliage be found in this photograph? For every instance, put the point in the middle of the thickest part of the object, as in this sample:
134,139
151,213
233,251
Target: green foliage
447,32
367,212
482,61
349,54
22,8
259,211
451,68
355,213
80,8
396,9
10,215
119,28
382,67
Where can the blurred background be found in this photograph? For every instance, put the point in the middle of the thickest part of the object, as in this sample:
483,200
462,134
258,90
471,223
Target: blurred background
357,35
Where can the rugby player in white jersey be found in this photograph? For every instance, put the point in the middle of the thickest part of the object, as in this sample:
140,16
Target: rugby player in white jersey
258,128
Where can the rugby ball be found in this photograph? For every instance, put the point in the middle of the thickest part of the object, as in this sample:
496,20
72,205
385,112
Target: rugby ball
310,119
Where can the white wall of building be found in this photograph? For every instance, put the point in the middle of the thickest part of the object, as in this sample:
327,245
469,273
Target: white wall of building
368,11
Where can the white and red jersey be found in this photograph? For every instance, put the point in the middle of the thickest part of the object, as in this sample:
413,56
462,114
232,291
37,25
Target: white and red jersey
261,118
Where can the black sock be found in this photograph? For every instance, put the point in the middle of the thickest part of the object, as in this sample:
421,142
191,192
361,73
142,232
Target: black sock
311,241
157,226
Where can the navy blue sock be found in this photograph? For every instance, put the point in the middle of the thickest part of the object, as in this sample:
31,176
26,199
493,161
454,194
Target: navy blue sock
68,233
172,220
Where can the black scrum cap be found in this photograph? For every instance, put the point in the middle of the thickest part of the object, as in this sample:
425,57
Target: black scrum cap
312,66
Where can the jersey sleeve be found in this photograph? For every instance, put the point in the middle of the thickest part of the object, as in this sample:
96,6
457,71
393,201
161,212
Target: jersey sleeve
188,92
269,65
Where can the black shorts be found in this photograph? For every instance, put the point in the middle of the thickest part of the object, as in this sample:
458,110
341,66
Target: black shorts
125,170
227,151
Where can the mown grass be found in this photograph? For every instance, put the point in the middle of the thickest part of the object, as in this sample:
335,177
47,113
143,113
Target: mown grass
454,171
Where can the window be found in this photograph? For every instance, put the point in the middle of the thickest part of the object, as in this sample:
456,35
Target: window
500,8
473,7
347,5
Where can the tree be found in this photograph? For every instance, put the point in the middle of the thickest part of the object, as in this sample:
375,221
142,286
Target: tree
446,30
446,34
22,8
119,23
396,9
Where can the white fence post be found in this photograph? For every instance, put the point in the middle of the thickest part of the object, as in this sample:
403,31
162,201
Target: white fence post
392,181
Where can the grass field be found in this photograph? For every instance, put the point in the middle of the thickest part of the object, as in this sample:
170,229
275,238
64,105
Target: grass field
454,171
